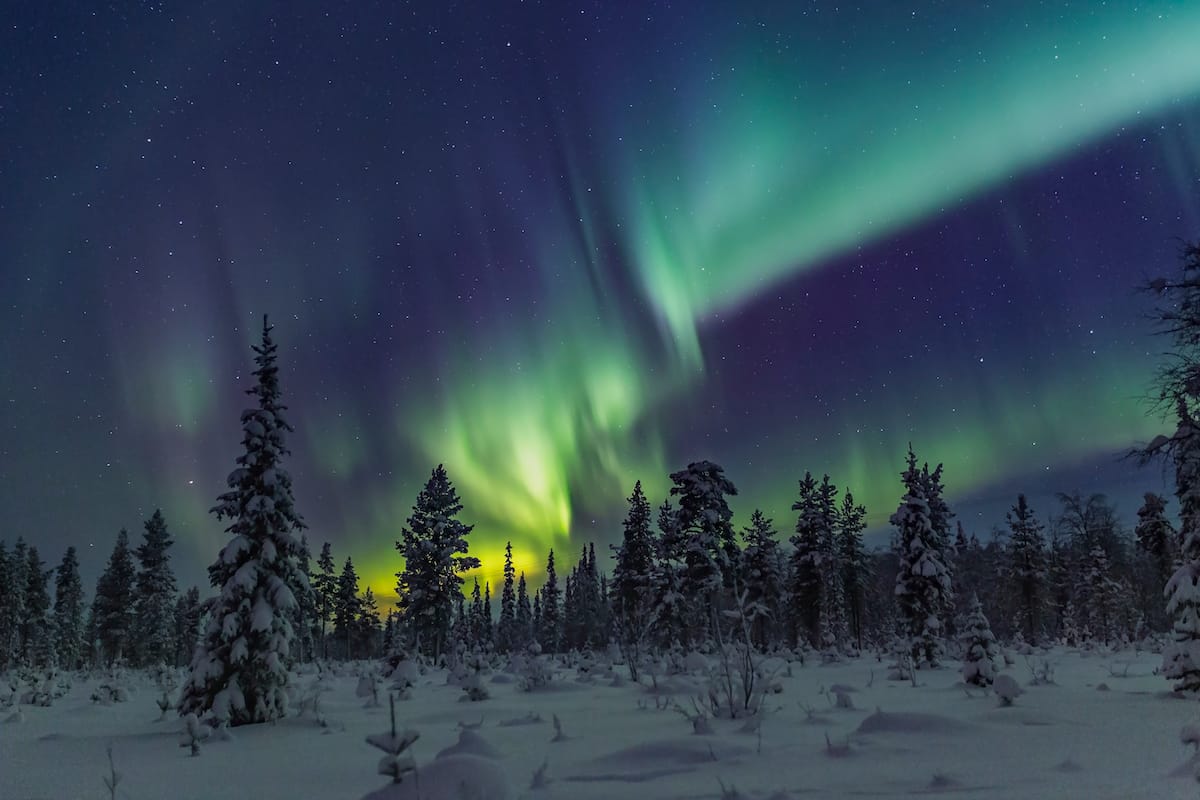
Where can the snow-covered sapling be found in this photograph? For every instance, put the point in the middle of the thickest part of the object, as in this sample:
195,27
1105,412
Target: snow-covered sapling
1006,689
369,684
980,651
113,778
194,732
540,781
396,762
559,736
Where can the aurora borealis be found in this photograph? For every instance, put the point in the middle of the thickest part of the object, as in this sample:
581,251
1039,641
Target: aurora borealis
564,246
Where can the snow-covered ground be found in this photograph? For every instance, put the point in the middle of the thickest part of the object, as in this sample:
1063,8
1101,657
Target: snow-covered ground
1106,728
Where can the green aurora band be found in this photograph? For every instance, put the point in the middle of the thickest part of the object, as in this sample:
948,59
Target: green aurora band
775,173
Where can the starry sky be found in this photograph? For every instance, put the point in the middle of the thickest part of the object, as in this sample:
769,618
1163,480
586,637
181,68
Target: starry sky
562,246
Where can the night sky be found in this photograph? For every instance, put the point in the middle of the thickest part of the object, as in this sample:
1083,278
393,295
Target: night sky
561,246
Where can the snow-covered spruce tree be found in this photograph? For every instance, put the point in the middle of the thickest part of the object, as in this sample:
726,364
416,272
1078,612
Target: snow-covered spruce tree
189,611
762,579
506,629
154,622
37,639
805,591
549,635
12,597
1156,537
922,580
1178,394
523,633
368,625
1026,566
980,651
1104,595
239,674
113,607
834,629
856,564
347,610
710,552
672,608
324,586
306,622
434,547
632,589
68,612
940,516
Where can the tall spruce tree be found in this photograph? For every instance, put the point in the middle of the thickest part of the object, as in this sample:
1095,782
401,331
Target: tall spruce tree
1156,538
805,594
524,623
113,609
325,593
632,589
348,609
154,626
1178,395
12,600
550,633
834,628
922,580
1027,566
434,546
506,631
189,612
306,620
710,553
68,612
763,578
37,637
368,624
856,564
240,671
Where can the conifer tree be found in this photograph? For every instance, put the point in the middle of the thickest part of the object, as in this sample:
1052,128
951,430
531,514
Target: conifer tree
805,594
306,620
12,601
1026,565
434,546
18,583
37,638
834,629
325,593
856,565
922,581
68,612
368,624
1178,317
981,654
506,631
240,671
1156,538
702,527
550,632
523,633
189,612
632,589
763,579
536,619
113,608
485,617
672,610
348,610
154,625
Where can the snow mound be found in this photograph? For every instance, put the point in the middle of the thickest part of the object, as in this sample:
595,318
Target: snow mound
470,743
910,722
451,778
688,750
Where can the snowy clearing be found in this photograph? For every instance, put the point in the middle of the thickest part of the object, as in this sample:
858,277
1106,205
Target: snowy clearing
1106,728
